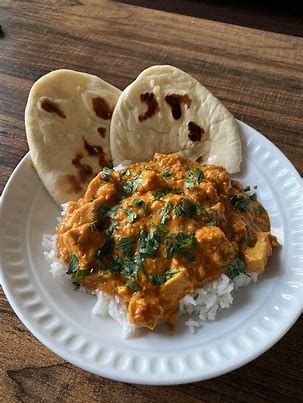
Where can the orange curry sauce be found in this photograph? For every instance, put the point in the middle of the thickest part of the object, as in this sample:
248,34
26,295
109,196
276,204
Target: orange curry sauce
157,230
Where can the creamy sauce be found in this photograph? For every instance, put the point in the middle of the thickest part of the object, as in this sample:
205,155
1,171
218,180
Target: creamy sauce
157,230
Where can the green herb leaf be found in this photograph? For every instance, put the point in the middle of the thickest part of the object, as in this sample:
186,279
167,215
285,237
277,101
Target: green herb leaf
158,194
185,239
83,273
125,172
167,175
235,267
116,265
112,211
246,188
131,215
253,196
130,268
161,278
126,245
132,185
240,202
250,241
106,173
159,227
181,241
133,286
165,212
201,210
112,226
185,208
139,203
107,211
73,266
149,244
193,177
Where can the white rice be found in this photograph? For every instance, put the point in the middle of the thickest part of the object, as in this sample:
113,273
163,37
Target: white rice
201,306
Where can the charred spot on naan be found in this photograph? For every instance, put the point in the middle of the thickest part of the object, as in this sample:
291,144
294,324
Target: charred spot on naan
152,105
102,108
70,184
195,131
85,171
175,101
102,131
51,107
97,151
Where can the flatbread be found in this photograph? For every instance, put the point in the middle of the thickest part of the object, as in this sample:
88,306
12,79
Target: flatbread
67,120
166,110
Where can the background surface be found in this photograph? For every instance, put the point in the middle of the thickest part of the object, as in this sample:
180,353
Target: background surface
257,73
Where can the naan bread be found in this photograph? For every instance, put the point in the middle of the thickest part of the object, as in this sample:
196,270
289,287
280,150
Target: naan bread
67,120
166,110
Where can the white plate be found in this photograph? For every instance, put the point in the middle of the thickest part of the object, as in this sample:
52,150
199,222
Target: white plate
60,317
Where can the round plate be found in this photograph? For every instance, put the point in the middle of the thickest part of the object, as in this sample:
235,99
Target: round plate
60,317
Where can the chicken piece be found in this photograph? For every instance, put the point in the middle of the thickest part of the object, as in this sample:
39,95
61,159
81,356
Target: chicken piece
144,311
78,241
256,257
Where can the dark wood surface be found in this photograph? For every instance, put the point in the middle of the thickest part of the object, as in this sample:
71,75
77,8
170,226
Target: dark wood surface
259,77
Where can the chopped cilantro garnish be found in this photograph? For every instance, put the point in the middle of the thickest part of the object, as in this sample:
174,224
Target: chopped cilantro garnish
139,203
130,268
167,175
133,286
158,194
112,226
73,265
185,208
83,273
106,211
106,173
240,202
126,245
253,197
250,241
165,212
235,267
116,264
125,172
159,227
201,210
193,177
181,241
161,278
149,244
131,215
132,184
75,270
112,212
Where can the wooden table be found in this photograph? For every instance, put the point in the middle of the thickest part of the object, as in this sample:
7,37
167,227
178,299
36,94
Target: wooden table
257,74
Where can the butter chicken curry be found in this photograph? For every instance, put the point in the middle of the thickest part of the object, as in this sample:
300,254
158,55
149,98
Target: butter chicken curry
155,231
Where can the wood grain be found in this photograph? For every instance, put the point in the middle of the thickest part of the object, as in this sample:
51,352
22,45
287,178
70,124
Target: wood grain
259,77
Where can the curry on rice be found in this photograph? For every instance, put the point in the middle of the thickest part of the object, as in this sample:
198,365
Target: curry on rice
155,231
